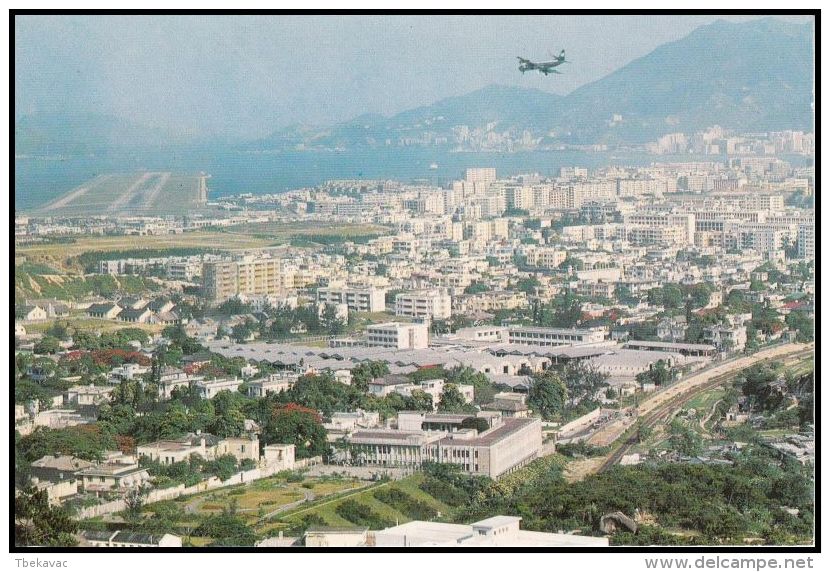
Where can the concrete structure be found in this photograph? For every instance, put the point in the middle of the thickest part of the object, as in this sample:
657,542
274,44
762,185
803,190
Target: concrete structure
250,275
112,476
509,404
496,531
56,468
328,537
204,445
357,299
398,335
532,335
505,446
209,388
694,350
127,539
274,383
280,457
430,304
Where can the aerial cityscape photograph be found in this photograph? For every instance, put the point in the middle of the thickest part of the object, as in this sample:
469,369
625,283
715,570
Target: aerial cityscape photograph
408,282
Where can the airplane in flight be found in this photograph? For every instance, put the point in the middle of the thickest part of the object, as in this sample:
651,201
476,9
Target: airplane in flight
543,67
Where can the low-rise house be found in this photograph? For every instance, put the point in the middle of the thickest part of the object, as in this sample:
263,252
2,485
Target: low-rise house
171,451
60,418
672,329
274,383
161,305
106,310
113,476
133,303
128,371
87,395
57,492
509,404
30,313
57,468
196,360
383,386
135,315
204,445
434,388
726,337
209,388
165,318
240,447
170,378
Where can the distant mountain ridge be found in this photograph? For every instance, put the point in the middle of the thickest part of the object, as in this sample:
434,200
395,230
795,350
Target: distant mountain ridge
749,76
752,76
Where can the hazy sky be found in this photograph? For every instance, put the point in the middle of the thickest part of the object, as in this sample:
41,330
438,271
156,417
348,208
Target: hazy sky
246,76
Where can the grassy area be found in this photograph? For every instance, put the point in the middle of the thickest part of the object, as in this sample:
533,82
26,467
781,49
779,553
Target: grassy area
69,287
56,254
703,402
307,229
230,238
91,324
257,499
326,509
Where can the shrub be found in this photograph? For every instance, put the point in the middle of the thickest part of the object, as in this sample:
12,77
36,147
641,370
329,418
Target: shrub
361,515
405,504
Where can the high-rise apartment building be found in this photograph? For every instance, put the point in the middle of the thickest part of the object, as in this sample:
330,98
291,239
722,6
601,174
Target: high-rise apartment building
225,279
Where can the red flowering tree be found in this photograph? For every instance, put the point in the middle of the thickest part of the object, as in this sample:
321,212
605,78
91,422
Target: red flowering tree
298,425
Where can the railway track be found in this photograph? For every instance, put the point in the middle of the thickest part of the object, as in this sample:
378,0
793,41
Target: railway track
664,410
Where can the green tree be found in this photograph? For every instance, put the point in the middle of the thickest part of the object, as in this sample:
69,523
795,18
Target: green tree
47,345
365,372
37,523
134,499
331,323
685,440
419,401
452,400
547,395
228,419
298,425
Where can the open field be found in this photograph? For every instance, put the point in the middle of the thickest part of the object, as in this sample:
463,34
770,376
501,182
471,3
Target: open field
204,239
310,228
326,509
256,500
232,238
91,324
149,193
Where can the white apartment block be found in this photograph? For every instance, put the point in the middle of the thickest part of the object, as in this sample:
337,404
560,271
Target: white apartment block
357,299
398,335
432,304
486,175
223,280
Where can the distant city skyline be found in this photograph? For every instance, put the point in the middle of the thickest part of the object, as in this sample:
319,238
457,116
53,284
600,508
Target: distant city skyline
244,77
